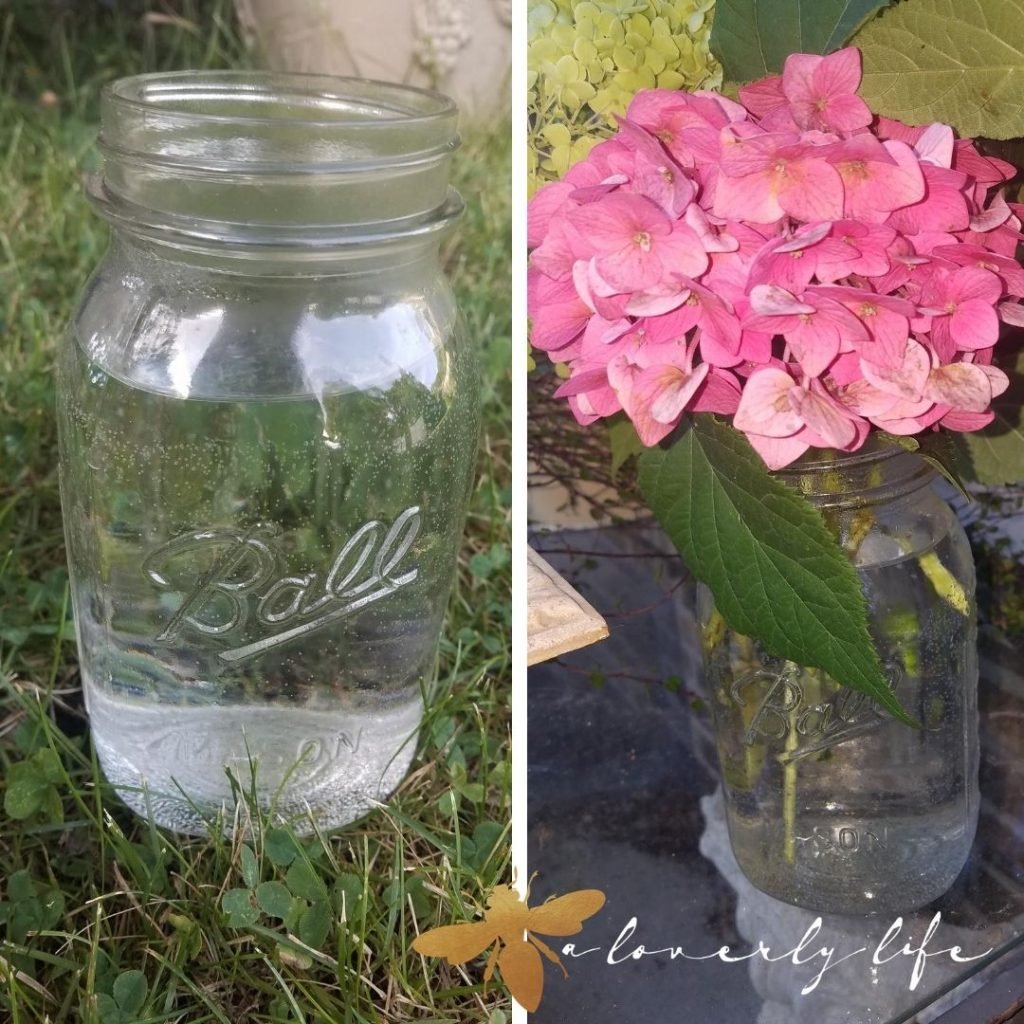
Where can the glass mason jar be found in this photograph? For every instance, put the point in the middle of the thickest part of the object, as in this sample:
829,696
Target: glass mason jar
268,422
832,804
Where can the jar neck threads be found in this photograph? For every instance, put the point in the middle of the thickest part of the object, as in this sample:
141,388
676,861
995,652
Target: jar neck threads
268,161
875,474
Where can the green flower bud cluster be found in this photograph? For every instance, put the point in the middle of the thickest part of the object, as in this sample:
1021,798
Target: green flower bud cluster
586,59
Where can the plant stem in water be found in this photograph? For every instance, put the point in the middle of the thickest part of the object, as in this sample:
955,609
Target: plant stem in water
789,794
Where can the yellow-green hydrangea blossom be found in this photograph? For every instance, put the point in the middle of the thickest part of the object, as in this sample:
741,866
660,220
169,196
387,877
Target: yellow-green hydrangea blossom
588,58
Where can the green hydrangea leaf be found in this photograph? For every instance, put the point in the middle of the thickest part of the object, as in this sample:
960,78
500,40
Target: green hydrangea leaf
957,61
776,571
753,38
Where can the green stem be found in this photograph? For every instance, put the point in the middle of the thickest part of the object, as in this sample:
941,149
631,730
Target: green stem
789,794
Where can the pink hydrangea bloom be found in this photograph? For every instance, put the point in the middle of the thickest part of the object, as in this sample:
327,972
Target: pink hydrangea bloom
822,91
788,261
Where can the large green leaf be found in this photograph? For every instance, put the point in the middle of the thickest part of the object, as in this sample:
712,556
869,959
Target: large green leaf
957,61
753,38
776,571
995,455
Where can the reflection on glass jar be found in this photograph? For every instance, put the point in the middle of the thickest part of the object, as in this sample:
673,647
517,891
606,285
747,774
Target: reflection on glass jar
268,419
832,804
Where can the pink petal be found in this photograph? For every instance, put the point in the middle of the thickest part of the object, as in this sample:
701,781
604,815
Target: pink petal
622,371
797,77
546,203
974,283
583,380
906,182
967,421
681,252
847,113
824,416
812,191
815,345
747,150
657,300
720,393
866,400
913,424
666,390
997,380
630,269
935,145
763,96
889,129
804,238
839,73
711,241
751,198
600,333
754,348
907,379
674,326
975,324
765,406
1012,313
997,213
890,332
941,340
616,220
963,386
555,255
777,452
590,193
770,300
556,324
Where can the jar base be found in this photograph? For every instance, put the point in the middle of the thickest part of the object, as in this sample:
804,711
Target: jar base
185,768
188,817
900,867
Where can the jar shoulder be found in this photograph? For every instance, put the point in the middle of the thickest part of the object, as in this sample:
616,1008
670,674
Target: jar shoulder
189,332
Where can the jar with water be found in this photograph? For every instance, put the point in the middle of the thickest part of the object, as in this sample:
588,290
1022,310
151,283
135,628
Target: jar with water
832,804
268,421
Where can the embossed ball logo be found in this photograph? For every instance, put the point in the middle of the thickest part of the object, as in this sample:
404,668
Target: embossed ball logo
778,698
242,565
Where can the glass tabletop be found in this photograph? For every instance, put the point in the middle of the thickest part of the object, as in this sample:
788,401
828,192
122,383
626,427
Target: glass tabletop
623,796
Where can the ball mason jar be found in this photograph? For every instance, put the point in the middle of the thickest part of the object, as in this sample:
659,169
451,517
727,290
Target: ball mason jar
268,417
832,804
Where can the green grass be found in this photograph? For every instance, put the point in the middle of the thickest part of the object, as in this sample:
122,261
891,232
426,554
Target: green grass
102,917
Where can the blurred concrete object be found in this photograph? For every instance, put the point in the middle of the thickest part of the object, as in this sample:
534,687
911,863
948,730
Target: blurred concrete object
461,47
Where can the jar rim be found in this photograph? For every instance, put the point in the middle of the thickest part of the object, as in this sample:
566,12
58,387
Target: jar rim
133,91
266,158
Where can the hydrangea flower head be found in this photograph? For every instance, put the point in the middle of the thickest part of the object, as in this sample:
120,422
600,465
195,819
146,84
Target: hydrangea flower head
790,261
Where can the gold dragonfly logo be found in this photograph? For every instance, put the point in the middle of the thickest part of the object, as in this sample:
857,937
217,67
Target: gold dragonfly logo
511,926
